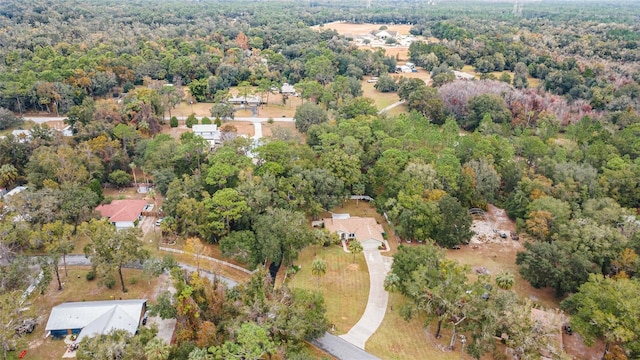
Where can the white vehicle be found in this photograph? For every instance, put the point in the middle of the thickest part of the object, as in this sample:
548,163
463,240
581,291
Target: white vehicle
159,221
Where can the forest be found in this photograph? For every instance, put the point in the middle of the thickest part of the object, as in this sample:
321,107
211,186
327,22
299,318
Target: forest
549,130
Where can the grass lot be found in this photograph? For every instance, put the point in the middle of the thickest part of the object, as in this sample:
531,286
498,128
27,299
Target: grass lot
498,257
533,82
400,339
275,108
77,288
345,286
381,100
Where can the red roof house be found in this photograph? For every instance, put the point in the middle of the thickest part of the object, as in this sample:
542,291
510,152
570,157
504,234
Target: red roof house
123,213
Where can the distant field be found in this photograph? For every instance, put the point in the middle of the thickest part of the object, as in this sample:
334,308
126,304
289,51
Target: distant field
359,29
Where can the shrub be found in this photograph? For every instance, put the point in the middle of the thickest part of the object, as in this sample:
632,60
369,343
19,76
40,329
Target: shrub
91,275
191,120
173,122
205,121
218,122
109,281
128,87
270,120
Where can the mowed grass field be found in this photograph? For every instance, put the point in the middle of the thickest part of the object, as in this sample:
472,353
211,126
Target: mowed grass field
533,82
380,99
398,339
345,286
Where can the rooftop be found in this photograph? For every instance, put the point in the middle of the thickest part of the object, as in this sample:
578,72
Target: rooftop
122,210
364,228
97,317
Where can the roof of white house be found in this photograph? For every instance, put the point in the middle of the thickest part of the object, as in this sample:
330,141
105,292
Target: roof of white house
16,190
463,75
287,89
205,128
97,317
242,99
208,132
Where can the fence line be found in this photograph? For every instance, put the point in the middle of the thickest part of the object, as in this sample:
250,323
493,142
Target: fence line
217,261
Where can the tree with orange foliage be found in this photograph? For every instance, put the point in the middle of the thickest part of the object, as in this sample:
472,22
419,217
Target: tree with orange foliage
242,41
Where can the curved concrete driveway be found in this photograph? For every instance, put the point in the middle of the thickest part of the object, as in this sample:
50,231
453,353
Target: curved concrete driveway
373,315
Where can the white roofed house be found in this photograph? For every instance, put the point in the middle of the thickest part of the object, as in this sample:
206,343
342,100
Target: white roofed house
91,318
386,34
249,100
211,133
288,89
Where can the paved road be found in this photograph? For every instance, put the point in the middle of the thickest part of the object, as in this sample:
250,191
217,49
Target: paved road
45,119
81,260
258,133
373,315
342,349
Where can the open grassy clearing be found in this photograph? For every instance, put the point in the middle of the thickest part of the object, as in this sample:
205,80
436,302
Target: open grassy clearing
275,107
345,286
380,99
77,288
499,257
360,29
398,339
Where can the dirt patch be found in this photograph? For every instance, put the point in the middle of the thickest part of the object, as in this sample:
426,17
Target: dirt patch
353,267
488,228
574,345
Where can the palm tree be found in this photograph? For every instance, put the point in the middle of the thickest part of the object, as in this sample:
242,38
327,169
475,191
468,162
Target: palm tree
355,247
505,280
156,350
318,269
391,284
8,175
133,167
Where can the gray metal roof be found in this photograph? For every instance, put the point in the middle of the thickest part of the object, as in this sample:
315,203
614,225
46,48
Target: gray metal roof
97,317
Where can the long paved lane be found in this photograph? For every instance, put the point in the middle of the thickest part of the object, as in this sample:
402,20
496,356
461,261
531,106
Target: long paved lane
376,308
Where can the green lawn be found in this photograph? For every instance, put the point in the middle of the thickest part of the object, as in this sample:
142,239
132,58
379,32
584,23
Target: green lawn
380,99
399,339
345,286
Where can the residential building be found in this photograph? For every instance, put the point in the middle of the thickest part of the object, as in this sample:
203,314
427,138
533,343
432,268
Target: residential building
123,213
91,318
366,230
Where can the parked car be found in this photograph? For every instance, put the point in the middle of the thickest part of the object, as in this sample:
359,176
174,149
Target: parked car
159,221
